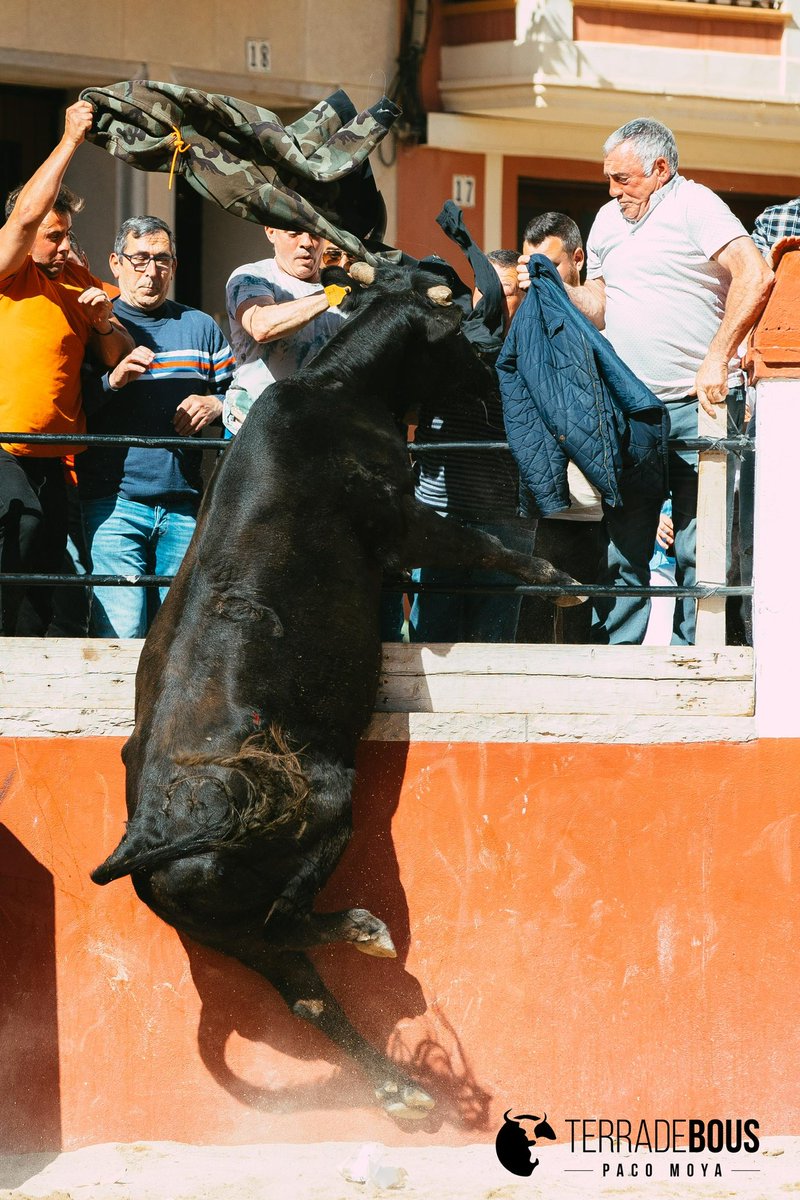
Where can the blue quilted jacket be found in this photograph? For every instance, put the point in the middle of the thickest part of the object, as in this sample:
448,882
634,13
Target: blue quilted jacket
567,395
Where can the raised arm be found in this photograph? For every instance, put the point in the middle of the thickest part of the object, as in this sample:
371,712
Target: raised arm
751,284
39,194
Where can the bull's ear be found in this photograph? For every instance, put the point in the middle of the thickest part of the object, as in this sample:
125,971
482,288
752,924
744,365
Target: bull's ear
442,321
348,292
335,275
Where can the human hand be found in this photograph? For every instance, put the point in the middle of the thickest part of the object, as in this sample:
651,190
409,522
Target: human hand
665,534
98,307
78,121
131,367
523,278
194,413
711,382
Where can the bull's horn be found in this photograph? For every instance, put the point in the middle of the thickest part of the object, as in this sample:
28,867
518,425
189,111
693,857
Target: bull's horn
362,273
440,294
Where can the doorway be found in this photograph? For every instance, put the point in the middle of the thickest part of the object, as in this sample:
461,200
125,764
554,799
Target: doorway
30,126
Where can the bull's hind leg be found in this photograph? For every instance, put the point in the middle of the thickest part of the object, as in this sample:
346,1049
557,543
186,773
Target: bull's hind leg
432,541
290,923
296,979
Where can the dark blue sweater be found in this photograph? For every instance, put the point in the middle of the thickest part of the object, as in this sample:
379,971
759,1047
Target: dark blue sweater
192,359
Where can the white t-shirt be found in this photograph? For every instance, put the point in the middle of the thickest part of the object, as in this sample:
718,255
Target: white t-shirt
258,364
665,297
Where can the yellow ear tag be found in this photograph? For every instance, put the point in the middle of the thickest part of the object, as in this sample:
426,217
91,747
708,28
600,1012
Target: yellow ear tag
336,294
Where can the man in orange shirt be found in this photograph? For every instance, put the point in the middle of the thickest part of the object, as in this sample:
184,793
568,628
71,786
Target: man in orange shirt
51,311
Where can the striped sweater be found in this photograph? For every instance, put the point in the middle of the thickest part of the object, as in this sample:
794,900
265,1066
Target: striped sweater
474,485
192,358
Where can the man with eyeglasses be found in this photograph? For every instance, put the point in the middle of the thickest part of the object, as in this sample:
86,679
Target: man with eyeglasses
51,312
280,316
140,503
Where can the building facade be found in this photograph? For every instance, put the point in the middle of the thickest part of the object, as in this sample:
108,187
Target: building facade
521,96
506,104
285,57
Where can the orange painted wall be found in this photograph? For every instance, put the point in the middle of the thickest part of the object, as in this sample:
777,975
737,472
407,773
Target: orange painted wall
600,930
495,23
424,182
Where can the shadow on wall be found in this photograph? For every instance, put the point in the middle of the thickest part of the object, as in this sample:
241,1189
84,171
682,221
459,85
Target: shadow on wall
30,1115
384,1001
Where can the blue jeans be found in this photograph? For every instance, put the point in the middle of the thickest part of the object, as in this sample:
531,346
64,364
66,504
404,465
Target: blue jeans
443,617
632,528
126,537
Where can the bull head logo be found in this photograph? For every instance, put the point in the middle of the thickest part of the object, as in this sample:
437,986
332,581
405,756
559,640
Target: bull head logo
512,1144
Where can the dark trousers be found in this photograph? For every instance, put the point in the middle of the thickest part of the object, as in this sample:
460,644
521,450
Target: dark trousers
632,531
72,605
577,547
33,536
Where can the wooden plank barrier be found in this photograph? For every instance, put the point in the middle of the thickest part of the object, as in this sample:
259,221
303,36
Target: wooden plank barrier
712,526
456,692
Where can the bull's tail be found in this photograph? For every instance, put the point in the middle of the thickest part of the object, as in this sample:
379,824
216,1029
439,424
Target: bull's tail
258,792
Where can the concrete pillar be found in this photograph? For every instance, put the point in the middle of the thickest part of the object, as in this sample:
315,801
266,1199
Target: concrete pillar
774,362
493,207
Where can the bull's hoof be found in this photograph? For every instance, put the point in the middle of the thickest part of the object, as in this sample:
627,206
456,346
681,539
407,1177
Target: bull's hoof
405,1102
570,601
372,936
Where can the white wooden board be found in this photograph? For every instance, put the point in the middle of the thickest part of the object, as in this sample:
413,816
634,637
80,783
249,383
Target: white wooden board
460,692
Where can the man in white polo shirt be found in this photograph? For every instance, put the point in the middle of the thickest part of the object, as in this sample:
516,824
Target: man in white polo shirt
675,282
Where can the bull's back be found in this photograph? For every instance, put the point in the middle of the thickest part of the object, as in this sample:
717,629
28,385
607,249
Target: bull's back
274,616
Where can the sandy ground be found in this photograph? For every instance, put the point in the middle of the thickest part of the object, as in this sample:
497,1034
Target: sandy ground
169,1171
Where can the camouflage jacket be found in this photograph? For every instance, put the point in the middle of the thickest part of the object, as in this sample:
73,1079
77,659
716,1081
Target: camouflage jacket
313,174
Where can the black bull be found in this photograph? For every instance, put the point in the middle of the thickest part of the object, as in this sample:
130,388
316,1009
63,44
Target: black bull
260,672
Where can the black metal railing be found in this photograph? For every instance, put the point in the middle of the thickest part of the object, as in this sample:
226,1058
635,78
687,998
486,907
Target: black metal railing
737,445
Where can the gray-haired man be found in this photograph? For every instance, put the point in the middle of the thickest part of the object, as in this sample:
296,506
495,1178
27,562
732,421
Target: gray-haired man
676,282
139,505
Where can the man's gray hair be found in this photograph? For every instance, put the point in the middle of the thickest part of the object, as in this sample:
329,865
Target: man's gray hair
142,227
649,139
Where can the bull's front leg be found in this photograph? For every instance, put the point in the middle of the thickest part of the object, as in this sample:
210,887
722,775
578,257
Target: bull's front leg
297,981
432,541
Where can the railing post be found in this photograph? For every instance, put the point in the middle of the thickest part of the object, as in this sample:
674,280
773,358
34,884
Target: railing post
712,525
774,363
